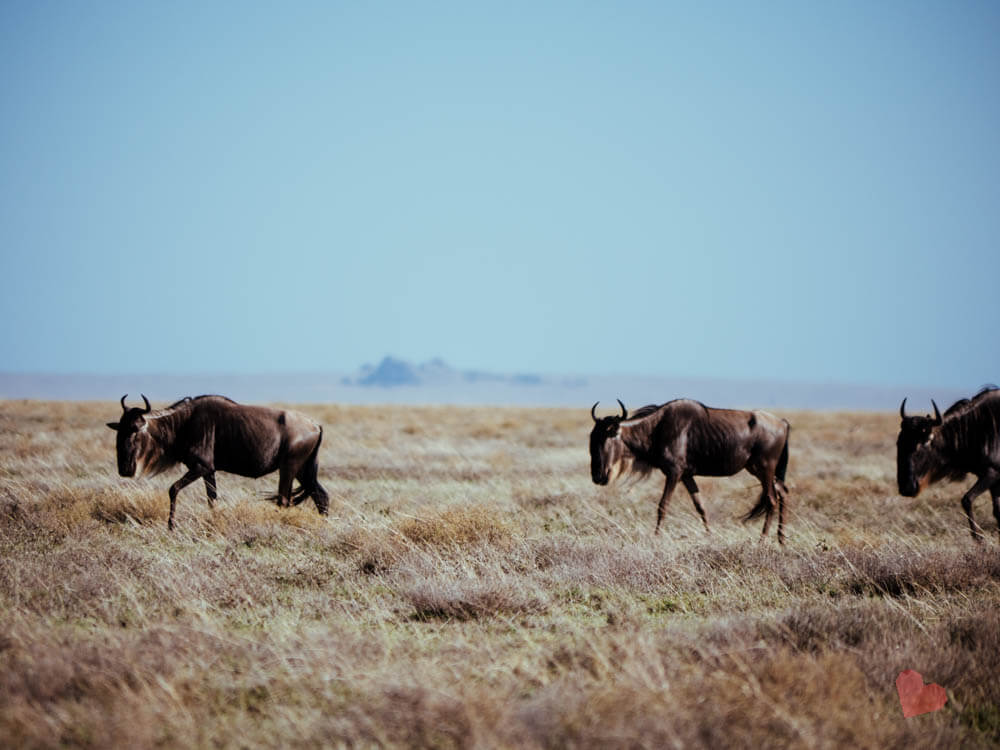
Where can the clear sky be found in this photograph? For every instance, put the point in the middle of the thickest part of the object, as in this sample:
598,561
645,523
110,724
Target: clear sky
800,190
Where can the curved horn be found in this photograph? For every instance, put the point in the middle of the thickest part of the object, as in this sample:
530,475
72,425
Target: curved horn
902,409
937,414
592,408
624,410
124,408
148,407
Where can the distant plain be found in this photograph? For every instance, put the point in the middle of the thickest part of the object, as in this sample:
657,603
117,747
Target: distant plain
472,588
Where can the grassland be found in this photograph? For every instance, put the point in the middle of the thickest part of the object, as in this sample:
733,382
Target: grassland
472,588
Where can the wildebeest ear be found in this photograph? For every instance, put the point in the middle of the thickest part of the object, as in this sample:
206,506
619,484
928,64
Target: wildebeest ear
112,425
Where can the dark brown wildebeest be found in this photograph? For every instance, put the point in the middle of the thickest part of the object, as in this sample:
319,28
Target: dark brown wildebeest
685,439
212,433
966,440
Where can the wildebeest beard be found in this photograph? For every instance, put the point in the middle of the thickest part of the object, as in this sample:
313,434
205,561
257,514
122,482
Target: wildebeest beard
151,457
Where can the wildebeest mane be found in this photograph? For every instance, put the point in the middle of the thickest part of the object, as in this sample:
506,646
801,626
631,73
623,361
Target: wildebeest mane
971,423
963,403
192,399
645,411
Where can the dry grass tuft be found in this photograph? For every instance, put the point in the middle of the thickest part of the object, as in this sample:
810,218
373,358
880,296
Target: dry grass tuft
254,518
414,716
898,572
470,600
136,507
456,527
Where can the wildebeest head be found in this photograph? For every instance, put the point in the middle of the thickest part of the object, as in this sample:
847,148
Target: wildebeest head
134,440
607,451
915,450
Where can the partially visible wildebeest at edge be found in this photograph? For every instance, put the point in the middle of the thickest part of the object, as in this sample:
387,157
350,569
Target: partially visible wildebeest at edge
685,439
966,440
212,433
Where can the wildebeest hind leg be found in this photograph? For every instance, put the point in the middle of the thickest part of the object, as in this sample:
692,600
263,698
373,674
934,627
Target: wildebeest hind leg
321,499
210,489
767,515
781,491
692,489
284,487
981,484
308,477
767,496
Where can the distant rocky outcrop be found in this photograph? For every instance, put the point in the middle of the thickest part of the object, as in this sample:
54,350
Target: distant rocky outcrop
388,373
392,372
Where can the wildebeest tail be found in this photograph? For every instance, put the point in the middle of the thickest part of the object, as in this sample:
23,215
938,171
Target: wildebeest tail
309,479
764,503
310,475
762,506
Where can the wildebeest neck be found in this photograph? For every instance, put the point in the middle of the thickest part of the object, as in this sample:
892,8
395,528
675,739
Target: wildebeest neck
162,428
636,436
974,421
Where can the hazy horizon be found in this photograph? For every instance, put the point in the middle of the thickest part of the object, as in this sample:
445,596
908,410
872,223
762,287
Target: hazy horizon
362,367
450,386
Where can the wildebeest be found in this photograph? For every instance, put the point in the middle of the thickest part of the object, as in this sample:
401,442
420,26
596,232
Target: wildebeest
966,440
685,439
213,433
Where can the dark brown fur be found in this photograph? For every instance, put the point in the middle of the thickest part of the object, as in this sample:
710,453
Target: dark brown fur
213,433
685,439
966,440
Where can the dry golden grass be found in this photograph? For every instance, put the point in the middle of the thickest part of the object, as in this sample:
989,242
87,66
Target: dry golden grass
472,588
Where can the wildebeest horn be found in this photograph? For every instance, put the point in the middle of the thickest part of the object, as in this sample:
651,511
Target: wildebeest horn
592,408
902,409
937,414
148,407
124,408
624,410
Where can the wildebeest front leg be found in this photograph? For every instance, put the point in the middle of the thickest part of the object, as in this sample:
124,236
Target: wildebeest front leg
668,490
184,481
210,489
692,489
983,483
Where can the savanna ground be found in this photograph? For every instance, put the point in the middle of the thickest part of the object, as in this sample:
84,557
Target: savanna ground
472,588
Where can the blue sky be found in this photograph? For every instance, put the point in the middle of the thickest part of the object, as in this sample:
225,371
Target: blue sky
810,192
